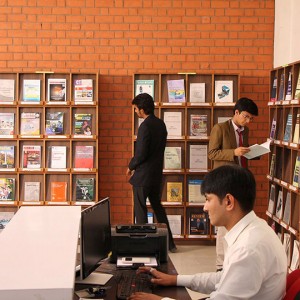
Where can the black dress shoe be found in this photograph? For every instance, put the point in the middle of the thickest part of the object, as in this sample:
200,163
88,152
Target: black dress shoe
173,249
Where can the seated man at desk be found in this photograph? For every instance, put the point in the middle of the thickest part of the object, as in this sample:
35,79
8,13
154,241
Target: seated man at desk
255,262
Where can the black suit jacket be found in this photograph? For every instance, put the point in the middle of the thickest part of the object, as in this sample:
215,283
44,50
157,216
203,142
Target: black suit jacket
149,153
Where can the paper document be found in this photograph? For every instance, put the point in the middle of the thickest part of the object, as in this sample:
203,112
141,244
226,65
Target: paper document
129,261
258,150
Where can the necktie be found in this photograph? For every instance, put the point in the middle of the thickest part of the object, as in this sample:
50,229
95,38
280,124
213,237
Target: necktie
243,159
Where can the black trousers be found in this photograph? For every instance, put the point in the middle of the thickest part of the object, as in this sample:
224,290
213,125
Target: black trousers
153,193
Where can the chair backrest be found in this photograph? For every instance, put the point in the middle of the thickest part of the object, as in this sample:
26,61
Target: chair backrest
293,286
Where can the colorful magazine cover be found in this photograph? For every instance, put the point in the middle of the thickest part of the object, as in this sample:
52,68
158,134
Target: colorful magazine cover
54,123
7,157
199,223
32,90
83,90
30,123
176,90
57,89
7,123
85,189
31,157
7,189
83,124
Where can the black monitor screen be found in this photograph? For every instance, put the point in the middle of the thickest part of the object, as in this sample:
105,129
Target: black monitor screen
95,236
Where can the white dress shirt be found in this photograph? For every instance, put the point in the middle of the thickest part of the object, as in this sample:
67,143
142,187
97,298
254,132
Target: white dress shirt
255,265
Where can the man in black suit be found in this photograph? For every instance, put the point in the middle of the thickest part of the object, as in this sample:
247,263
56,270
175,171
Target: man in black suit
145,167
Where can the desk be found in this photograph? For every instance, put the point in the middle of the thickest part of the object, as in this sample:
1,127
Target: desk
179,293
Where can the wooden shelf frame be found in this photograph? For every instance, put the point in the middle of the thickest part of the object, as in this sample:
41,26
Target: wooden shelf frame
45,175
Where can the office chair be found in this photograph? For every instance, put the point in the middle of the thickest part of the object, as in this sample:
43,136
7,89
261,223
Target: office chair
293,286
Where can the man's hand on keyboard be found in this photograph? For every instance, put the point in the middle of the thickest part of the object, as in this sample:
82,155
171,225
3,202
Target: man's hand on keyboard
159,278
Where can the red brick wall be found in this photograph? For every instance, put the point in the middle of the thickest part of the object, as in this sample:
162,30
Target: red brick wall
118,38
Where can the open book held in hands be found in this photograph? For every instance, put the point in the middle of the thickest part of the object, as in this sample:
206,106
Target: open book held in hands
258,150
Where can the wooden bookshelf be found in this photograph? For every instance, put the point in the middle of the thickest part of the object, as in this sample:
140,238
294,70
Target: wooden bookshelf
285,148
184,139
75,97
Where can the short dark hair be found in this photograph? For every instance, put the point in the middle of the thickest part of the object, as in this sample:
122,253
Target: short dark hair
144,101
246,104
234,180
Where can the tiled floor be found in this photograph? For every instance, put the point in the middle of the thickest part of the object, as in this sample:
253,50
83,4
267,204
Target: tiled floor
194,259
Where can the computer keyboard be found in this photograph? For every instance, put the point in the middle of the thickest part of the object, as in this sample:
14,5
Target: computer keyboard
130,282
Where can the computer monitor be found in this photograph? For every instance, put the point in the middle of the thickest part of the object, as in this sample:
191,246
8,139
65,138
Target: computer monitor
95,236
